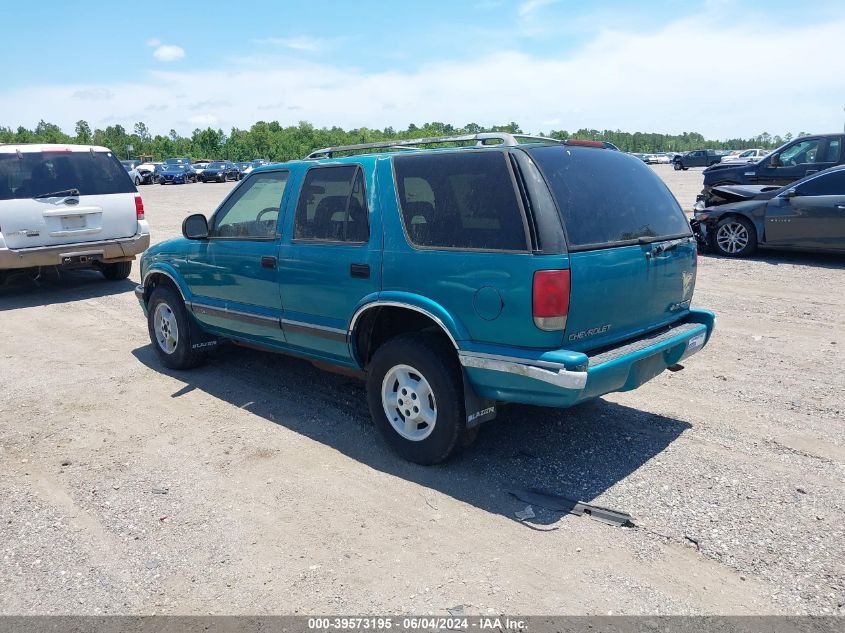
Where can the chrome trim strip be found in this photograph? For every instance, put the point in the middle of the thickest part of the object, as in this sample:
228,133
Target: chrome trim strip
562,378
237,315
322,331
313,326
399,304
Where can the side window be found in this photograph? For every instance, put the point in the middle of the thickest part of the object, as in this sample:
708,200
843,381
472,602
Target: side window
252,211
833,151
460,200
800,153
826,185
332,206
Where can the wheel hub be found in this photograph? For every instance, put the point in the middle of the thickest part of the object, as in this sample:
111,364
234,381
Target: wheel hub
732,238
408,402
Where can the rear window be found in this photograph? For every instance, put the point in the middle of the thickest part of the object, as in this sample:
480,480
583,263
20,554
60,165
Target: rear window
461,200
606,198
35,174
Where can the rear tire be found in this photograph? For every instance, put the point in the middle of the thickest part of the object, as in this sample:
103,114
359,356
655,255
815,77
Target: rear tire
117,271
170,330
734,236
415,396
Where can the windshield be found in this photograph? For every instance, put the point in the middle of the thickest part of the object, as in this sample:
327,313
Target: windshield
37,173
215,166
608,198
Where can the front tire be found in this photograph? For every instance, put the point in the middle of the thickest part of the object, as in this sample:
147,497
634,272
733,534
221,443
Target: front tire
735,236
137,181
677,166
117,271
415,396
170,330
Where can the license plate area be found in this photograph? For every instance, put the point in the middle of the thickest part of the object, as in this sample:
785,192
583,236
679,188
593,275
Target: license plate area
696,342
73,222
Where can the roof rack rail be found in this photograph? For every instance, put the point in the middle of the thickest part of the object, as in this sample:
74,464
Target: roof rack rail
479,140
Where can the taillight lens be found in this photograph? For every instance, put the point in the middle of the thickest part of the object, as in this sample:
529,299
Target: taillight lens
139,208
550,299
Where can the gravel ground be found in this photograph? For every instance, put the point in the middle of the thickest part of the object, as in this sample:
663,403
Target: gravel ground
256,484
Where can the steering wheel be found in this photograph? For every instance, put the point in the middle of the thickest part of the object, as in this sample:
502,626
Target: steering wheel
267,210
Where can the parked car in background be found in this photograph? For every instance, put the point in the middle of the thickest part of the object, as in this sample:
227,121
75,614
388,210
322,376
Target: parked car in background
536,288
133,174
220,171
650,159
130,164
696,158
259,162
805,215
148,173
68,206
198,168
663,158
244,169
788,163
176,174
745,156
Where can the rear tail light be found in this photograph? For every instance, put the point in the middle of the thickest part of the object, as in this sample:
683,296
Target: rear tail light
550,299
139,208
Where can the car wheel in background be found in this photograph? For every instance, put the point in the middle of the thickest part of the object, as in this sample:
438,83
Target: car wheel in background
414,392
137,181
116,271
170,330
677,165
735,236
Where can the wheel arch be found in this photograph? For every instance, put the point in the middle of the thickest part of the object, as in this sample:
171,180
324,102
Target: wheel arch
158,276
375,322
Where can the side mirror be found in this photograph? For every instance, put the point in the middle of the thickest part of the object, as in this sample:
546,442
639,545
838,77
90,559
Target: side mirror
195,227
774,160
790,193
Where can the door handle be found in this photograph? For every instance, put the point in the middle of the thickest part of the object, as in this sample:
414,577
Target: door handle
840,206
359,271
268,262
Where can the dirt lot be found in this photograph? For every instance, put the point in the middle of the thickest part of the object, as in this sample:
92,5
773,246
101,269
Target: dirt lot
256,484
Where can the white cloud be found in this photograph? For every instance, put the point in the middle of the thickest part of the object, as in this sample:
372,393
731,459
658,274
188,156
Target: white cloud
621,79
168,53
530,7
300,43
203,120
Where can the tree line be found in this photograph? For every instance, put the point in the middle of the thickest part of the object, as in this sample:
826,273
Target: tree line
277,143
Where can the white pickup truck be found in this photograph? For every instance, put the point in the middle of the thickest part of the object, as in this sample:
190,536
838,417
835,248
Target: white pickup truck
68,206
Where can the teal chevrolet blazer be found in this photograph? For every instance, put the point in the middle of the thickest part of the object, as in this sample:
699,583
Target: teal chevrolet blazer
453,274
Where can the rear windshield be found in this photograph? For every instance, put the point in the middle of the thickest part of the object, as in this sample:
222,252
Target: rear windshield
34,174
607,198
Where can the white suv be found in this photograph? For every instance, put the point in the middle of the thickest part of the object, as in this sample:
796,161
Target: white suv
68,206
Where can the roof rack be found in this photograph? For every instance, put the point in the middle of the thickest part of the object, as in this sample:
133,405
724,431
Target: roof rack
479,140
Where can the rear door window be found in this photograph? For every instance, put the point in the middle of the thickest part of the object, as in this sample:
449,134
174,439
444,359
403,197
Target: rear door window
824,185
463,200
33,174
332,206
608,198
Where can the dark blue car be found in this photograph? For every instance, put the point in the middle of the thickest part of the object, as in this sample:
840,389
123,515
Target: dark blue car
176,174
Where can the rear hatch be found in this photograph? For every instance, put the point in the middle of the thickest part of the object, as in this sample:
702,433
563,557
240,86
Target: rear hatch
51,195
632,255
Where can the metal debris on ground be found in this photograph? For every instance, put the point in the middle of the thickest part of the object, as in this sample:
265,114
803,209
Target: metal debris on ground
523,515
570,506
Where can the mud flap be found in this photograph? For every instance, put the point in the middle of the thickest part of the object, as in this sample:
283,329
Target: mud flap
200,339
477,409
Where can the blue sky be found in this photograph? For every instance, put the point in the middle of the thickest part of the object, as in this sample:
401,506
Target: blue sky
721,67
